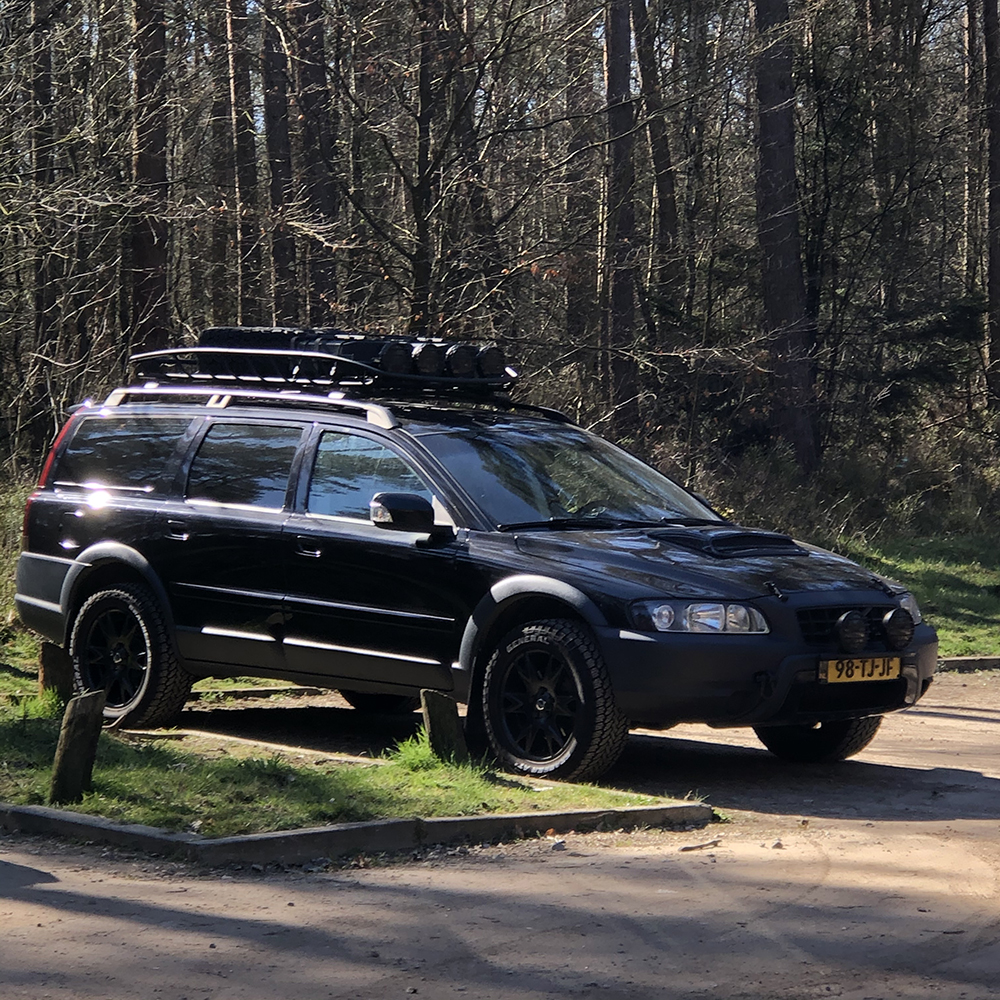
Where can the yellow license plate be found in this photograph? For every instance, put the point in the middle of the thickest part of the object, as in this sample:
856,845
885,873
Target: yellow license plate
868,668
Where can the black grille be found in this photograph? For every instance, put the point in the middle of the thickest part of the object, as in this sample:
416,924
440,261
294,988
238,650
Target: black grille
817,623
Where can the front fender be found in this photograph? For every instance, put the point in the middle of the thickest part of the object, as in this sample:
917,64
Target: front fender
500,598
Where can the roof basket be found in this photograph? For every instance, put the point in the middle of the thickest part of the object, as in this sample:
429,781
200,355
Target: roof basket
286,357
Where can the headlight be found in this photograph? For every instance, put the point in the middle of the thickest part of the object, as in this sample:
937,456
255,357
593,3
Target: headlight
706,617
909,603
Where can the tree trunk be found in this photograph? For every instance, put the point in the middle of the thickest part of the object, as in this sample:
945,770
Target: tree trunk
223,304
318,131
279,157
582,218
242,123
991,33
667,275
619,317
150,328
778,233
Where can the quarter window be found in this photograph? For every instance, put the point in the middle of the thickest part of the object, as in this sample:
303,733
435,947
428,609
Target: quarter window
244,464
350,469
121,451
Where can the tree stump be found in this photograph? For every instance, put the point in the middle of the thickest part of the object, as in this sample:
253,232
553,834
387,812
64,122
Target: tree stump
55,671
73,767
444,728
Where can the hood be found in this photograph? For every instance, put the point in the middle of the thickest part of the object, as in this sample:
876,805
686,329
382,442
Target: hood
723,561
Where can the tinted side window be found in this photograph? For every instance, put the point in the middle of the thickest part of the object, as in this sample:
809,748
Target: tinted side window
349,470
244,463
120,450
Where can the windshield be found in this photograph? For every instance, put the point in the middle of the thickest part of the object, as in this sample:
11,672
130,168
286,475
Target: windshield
536,473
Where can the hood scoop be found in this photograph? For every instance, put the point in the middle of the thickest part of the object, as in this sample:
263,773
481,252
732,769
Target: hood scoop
734,543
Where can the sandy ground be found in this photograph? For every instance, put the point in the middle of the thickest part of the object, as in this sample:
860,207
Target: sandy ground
874,878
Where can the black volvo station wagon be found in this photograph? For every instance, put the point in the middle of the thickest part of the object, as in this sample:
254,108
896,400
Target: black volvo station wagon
377,516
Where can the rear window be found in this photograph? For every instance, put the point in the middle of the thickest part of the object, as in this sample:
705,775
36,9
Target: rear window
247,464
120,450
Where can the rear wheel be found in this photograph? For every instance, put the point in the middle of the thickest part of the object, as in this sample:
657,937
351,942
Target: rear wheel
822,743
119,644
381,704
548,703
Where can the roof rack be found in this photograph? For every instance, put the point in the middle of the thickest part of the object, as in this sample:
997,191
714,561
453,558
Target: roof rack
215,398
323,358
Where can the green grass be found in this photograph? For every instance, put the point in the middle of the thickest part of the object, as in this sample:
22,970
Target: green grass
955,579
157,783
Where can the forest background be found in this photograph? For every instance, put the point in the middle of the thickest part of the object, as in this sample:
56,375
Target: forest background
751,243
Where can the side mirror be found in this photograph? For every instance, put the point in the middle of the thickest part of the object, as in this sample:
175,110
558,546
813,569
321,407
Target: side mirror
402,512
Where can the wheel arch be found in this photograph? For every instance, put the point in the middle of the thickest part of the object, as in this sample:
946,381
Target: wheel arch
108,564
516,599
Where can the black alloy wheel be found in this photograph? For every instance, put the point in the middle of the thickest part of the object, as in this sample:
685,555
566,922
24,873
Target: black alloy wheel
120,644
548,703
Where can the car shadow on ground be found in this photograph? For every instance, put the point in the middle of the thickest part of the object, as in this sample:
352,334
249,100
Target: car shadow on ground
747,778
727,776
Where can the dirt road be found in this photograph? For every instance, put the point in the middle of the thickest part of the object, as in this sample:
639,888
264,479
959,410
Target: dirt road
873,879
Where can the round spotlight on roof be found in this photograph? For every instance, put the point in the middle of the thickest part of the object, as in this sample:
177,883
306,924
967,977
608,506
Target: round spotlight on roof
851,631
460,360
491,362
396,358
898,627
428,358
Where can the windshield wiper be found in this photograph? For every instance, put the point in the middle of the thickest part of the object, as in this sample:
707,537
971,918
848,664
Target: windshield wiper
607,521
564,522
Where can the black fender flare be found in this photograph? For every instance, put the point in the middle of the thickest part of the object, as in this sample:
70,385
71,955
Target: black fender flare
497,600
98,556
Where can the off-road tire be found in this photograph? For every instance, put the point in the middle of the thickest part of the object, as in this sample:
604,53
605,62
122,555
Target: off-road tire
822,744
548,704
381,704
120,643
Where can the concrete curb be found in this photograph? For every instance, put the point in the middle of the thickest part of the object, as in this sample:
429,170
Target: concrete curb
968,664
298,846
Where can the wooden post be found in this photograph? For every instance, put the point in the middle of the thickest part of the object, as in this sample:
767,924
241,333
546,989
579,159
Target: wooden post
55,671
74,761
444,729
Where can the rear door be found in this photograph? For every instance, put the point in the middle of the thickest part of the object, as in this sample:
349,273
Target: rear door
367,603
220,546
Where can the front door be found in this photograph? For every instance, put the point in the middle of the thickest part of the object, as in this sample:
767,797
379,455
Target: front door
367,603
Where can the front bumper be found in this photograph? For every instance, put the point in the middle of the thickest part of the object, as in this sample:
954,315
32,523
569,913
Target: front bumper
664,678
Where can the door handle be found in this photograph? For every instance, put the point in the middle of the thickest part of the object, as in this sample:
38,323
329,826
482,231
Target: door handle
308,547
178,530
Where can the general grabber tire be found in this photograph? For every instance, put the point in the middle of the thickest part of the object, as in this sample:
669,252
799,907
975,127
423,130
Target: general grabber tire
381,704
120,644
820,744
548,704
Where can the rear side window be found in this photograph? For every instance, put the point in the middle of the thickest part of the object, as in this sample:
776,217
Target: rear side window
244,464
120,450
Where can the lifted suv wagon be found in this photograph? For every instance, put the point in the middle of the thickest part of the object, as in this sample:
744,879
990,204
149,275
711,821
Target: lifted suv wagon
235,512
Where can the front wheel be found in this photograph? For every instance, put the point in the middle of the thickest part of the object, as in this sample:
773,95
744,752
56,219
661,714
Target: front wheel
548,703
822,743
120,645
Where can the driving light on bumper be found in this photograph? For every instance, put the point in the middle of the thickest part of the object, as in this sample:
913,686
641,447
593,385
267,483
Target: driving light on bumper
706,617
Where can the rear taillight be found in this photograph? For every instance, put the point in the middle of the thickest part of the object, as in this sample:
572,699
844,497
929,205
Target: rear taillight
24,522
47,467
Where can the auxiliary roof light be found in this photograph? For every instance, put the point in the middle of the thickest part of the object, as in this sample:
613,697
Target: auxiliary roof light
491,362
428,358
460,360
396,358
